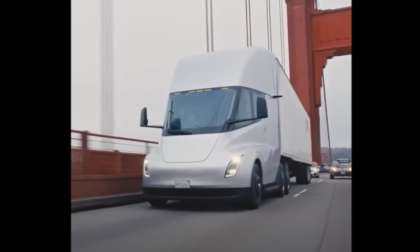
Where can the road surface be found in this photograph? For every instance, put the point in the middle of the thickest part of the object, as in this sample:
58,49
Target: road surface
315,217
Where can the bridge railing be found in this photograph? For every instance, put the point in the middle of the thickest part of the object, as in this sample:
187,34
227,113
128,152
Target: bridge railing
87,140
104,165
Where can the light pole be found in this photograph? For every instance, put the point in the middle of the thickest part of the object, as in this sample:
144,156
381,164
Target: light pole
107,69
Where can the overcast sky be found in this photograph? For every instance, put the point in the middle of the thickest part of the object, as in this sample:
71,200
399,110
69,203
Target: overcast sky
149,38
337,76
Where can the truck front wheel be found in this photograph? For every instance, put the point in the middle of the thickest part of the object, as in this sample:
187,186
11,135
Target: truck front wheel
253,199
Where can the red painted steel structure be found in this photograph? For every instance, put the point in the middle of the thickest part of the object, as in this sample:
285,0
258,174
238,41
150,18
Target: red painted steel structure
314,36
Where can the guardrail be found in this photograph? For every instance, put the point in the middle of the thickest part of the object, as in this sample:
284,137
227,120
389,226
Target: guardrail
84,137
106,169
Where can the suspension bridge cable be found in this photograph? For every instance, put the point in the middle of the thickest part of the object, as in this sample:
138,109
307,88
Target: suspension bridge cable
211,26
207,26
327,122
269,42
248,23
282,49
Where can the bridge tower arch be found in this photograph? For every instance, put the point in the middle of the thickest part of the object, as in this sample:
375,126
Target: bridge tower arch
314,37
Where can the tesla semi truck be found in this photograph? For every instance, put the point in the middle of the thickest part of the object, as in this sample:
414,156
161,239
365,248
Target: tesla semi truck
234,129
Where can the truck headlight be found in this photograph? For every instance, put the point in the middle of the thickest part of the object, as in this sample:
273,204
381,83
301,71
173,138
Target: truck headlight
350,169
146,171
232,167
333,169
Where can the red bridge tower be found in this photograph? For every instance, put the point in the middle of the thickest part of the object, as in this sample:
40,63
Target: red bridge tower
314,37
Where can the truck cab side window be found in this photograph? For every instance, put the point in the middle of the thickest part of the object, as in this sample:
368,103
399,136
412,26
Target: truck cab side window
244,109
255,97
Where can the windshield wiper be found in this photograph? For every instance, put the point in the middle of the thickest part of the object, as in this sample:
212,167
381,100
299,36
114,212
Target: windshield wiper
179,132
242,120
229,122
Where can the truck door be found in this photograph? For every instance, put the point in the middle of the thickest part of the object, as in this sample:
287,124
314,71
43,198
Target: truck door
268,135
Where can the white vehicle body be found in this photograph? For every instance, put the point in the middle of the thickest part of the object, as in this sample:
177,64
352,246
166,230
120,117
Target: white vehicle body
200,160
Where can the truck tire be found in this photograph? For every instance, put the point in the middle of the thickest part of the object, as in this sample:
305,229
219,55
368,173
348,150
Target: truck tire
286,177
280,191
331,176
303,175
157,203
254,196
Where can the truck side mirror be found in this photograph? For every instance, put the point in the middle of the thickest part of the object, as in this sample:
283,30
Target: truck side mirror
143,118
261,108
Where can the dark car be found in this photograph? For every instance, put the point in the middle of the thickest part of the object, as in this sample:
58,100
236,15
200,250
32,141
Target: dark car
324,168
342,167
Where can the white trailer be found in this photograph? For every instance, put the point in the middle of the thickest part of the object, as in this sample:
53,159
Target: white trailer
234,128
295,131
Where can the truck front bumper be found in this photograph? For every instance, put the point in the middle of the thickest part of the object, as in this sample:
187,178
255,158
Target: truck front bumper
194,193
196,176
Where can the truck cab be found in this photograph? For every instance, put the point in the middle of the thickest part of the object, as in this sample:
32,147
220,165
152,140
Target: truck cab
221,137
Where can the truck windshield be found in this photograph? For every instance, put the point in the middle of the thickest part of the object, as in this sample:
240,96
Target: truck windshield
199,111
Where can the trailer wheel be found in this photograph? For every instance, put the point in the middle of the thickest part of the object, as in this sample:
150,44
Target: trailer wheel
280,191
253,199
286,178
158,203
303,175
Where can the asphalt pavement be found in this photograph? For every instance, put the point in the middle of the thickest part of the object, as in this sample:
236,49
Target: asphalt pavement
314,217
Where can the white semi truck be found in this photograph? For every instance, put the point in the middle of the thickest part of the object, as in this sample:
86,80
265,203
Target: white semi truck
234,128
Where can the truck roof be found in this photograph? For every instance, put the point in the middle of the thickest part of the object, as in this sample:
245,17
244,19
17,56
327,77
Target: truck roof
249,67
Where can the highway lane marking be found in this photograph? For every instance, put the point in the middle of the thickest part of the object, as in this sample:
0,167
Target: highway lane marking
319,181
304,190
299,193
